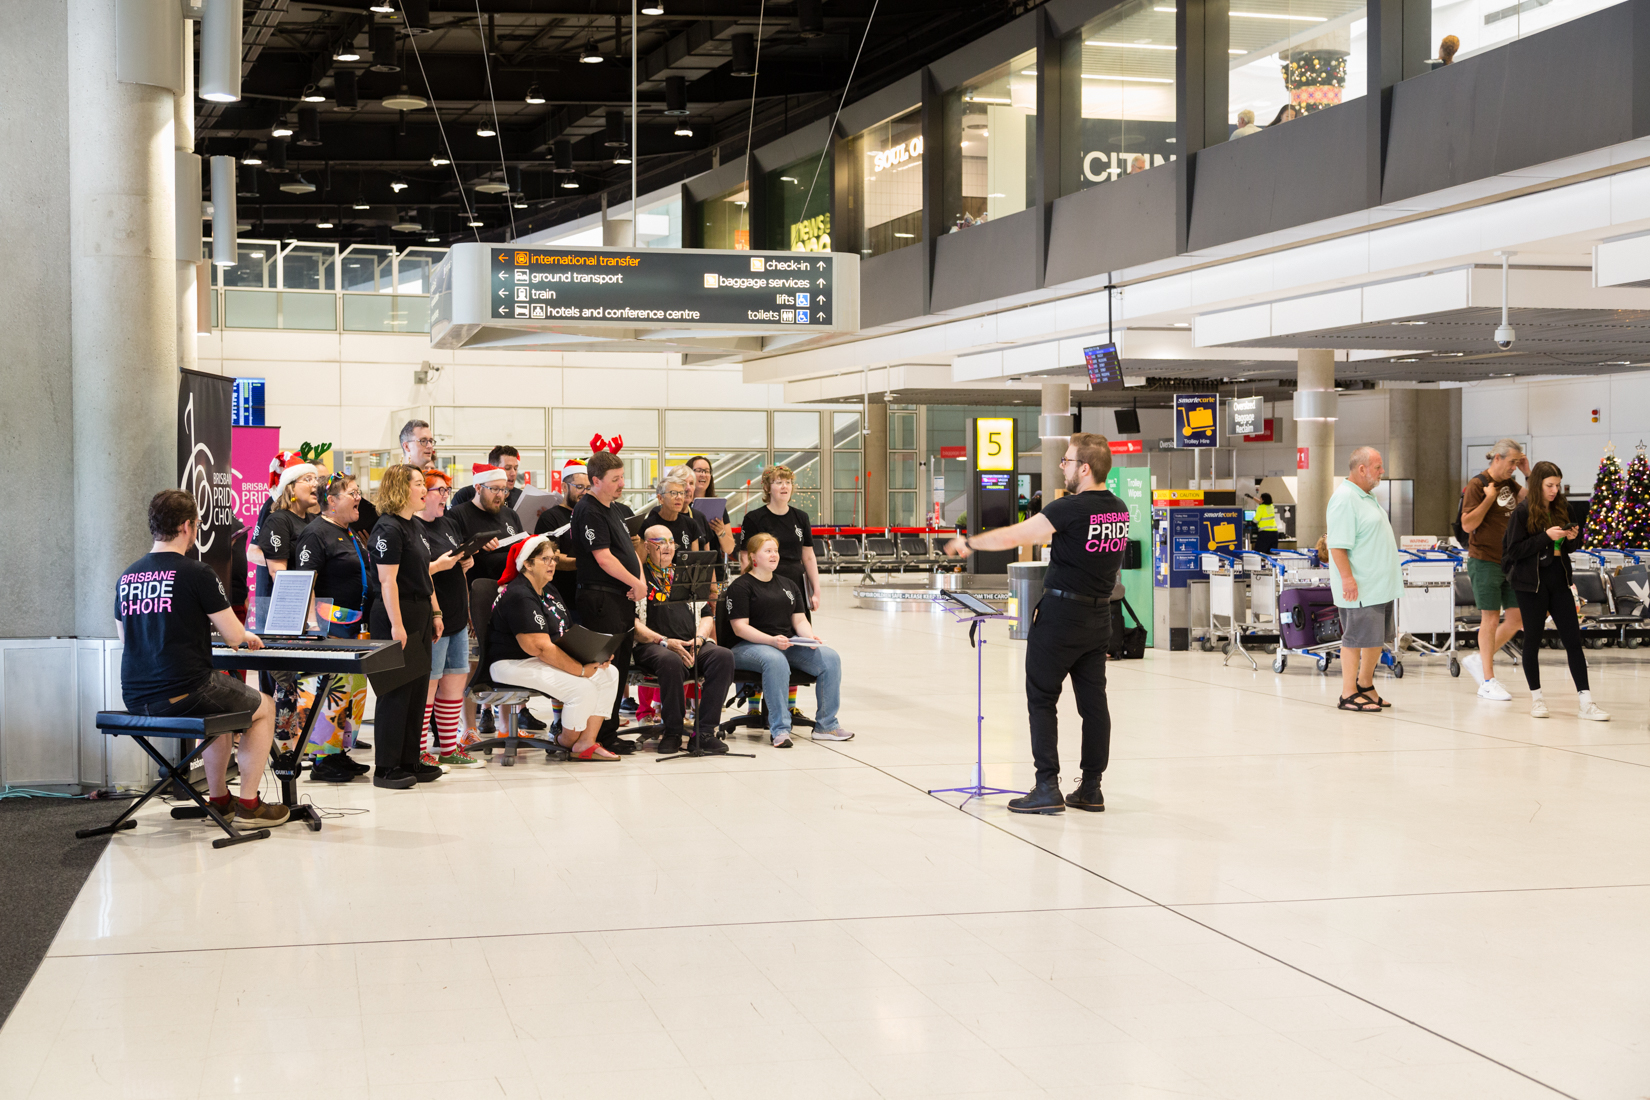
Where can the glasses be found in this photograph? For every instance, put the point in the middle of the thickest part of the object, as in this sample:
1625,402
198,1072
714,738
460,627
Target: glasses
425,441
661,542
674,493
1068,462
440,488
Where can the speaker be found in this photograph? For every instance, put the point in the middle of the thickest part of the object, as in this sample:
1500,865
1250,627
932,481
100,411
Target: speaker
1128,421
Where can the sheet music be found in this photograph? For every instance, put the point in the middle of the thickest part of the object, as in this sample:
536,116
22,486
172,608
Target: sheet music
289,603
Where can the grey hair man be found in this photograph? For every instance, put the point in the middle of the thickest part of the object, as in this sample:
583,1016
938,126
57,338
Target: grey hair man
1365,577
417,444
1487,503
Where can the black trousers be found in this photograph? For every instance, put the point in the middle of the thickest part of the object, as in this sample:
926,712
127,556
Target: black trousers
1068,639
1554,599
398,725
1266,542
609,611
715,668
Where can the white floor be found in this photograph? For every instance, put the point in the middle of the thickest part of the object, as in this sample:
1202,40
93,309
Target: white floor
1449,900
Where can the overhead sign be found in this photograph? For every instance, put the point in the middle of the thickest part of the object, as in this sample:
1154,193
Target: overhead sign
1127,446
906,150
1105,369
953,452
1247,414
615,293
1194,420
994,443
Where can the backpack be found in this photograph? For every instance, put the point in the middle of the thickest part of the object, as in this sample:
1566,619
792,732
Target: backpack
1462,535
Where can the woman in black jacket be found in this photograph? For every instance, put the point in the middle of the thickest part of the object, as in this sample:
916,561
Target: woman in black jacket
1533,557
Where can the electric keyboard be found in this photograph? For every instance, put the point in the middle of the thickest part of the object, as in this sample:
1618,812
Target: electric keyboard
340,656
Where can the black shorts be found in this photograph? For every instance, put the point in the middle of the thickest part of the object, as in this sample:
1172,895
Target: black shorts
219,695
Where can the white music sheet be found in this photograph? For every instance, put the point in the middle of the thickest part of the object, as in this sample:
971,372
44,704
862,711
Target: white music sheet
289,604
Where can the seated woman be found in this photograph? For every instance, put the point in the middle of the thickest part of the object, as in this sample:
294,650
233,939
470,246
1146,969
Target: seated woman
528,616
758,617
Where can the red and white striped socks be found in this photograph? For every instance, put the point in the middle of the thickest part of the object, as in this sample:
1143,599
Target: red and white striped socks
449,723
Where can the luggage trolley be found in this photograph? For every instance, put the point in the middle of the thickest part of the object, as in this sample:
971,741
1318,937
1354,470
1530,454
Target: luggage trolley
1306,616
1427,605
1229,592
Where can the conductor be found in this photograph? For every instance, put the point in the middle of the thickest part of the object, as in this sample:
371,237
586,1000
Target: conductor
1072,622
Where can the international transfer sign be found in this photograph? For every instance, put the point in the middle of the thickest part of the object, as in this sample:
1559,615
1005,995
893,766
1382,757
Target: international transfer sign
598,290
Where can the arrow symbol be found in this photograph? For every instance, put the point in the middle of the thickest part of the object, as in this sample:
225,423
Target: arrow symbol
821,298
505,293
820,265
504,275
822,282
503,311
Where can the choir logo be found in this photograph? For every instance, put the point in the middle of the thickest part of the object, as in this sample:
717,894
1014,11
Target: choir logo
303,556
790,599
382,545
274,542
537,618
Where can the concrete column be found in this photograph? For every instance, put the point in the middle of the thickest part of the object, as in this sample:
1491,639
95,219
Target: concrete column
1315,370
1056,402
1438,474
122,311
1403,423
875,475
188,271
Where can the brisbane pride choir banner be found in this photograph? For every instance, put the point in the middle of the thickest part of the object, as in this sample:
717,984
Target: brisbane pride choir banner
204,403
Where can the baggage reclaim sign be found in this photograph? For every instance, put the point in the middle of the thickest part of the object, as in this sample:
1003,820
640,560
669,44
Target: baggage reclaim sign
596,291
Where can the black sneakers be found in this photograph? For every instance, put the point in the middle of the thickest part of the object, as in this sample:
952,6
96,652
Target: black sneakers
526,721
425,773
618,746
330,769
1087,796
1043,799
396,779
707,743
670,744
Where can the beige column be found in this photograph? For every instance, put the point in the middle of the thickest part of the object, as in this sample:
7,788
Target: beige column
1315,371
876,464
1056,434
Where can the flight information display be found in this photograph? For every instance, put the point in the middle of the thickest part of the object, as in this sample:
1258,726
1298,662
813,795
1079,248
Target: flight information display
1105,368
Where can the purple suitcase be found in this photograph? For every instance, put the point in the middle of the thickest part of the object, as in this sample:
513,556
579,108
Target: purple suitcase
1307,617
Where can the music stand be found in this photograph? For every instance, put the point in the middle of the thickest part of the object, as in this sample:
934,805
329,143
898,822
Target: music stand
696,572
975,612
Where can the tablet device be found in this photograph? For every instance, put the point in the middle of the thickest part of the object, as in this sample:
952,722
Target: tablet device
289,604
712,508
972,603
590,647
473,545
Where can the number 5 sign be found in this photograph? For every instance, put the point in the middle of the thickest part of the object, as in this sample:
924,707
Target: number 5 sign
994,443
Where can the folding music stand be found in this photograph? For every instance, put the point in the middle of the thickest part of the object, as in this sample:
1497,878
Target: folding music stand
696,572
975,612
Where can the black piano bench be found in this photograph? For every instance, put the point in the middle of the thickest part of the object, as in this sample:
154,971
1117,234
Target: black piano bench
117,723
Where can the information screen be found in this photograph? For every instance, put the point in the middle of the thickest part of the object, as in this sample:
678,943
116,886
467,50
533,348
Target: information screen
993,481
248,410
1105,368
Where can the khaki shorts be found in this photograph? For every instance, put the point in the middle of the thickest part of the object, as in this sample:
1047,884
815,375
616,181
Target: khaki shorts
1368,627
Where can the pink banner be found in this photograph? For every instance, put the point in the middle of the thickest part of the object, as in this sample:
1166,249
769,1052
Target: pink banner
251,450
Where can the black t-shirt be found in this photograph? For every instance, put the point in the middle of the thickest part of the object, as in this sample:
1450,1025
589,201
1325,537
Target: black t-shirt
396,541
553,519
792,530
473,520
768,605
452,587
163,602
517,609
1090,531
672,618
365,519
468,493
278,534
342,574
685,529
599,527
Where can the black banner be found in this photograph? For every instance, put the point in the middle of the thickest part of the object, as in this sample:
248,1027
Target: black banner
204,404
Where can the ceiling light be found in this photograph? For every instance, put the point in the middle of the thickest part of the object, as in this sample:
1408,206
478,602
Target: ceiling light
282,127
493,187
676,95
485,130
251,159
615,136
622,158
1409,322
535,96
1237,53
571,184
309,126
589,56
1130,45
407,224
248,183
382,39
362,204
683,130
439,160
324,223
312,94
562,151
433,240
1107,76
475,222
810,21
905,236
382,8
297,185
346,51
275,156
789,179
416,14
345,95
220,51
398,185
520,204
1270,15
1406,360
653,8
404,101
744,55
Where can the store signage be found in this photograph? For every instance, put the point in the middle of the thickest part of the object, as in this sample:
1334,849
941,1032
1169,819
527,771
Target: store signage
1303,458
575,290
1247,413
1127,446
994,443
1176,498
1265,435
811,234
905,151
1194,420
953,452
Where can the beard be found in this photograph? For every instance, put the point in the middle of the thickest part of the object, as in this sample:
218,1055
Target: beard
1071,483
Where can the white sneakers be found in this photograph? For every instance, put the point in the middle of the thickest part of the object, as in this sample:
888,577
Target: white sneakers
1474,664
1492,689
838,734
1538,709
1588,710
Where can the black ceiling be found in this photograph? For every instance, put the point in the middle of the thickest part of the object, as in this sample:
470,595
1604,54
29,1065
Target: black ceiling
522,45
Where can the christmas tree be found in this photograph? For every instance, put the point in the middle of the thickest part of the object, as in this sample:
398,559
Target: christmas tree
1601,512
1631,521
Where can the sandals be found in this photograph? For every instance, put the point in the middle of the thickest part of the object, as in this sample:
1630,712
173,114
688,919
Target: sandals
1360,702
594,752
1370,691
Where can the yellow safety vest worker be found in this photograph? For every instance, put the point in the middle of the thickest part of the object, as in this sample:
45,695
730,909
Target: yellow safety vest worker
1266,517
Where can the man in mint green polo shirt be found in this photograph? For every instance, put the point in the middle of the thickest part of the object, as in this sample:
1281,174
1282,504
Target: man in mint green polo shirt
1365,577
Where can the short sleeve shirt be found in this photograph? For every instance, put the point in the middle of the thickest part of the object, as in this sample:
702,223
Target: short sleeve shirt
1359,525
684,529
792,531
769,605
396,541
473,520
599,527
163,602
342,574
452,588
278,535
517,609
1484,541
1091,530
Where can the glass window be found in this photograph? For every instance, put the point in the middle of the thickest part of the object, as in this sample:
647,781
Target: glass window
845,431
1479,25
369,313
576,427
367,268
809,503
310,267
1119,74
660,226
845,509
799,209
902,470
737,475
882,210
990,143
902,431
255,266
413,268
724,428
724,221
250,308
1293,57
796,429
902,509
845,470
316,312
804,464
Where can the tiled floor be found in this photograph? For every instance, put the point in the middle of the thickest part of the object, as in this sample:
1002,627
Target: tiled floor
1447,900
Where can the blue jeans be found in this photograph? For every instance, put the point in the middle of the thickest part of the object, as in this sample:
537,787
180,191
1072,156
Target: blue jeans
822,664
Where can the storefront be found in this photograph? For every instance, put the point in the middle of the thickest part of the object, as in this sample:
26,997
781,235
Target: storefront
880,209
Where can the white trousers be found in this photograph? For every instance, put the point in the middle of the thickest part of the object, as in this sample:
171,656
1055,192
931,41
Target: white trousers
580,698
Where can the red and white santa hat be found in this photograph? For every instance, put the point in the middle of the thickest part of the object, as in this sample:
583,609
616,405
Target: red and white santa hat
512,566
570,467
482,473
287,467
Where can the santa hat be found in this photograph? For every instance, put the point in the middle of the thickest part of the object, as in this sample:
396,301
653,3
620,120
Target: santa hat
570,467
512,566
291,467
482,473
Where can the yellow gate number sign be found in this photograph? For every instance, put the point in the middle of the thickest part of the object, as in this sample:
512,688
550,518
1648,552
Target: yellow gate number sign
994,443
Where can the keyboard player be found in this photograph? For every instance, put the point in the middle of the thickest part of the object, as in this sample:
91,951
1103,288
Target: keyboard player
166,605
330,548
